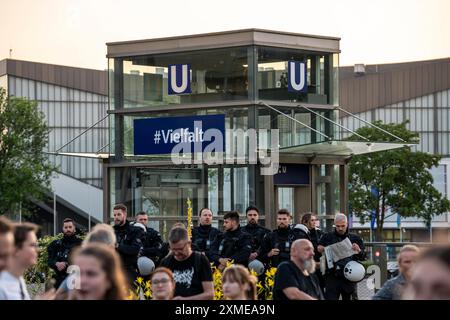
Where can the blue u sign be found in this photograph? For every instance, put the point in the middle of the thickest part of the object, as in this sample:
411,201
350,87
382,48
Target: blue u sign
297,76
179,78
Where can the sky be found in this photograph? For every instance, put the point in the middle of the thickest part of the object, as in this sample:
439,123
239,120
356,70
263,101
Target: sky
75,32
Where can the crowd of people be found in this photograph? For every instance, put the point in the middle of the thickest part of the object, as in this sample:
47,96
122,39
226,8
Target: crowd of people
105,265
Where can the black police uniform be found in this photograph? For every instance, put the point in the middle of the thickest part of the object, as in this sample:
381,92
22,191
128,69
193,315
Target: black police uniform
281,239
335,282
257,232
203,238
235,245
59,251
129,245
152,245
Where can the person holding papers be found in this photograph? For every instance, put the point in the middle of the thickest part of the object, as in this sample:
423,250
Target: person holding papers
340,247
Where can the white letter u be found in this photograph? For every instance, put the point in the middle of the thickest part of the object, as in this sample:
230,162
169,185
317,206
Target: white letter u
184,78
297,86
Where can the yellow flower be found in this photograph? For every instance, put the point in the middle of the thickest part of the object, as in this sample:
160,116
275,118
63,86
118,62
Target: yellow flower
270,282
230,263
139,280
148,294
147,285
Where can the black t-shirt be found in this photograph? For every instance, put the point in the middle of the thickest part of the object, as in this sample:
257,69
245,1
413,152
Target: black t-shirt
289,275
189,274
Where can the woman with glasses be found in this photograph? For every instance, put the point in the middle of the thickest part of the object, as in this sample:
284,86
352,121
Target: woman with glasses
162,284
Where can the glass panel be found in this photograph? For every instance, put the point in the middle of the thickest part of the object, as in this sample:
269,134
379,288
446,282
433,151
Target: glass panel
286,199
227,189
213,189
272,79
241,189
216,75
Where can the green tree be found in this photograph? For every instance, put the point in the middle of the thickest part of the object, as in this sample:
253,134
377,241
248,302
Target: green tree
397,179
24,168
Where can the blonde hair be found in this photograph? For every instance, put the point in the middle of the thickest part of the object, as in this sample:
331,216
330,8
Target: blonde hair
101,233
241,275
408,248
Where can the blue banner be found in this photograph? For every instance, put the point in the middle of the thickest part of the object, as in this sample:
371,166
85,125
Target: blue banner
373,220
161,135
297,76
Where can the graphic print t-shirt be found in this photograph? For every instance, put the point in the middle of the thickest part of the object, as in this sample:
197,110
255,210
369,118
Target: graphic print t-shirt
189,276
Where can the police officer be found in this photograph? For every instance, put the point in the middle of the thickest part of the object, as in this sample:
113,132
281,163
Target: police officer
276,245
204,234
59,251
255,230
152,244
335,282
234,244
129,241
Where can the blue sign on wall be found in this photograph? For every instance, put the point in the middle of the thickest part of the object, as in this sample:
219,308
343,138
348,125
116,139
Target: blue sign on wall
297,76
161,135
179,78
292,174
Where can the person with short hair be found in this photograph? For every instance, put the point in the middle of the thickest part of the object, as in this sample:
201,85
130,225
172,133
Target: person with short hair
430,277
276,246
59,251
232,245
336,284
6,242
191,270
254,229
162,284
152,244
101,274
295,279
24,256
238,283
204,234
129,241
393,288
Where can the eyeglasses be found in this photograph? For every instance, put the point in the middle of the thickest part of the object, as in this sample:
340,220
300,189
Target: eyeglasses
179,249
162,281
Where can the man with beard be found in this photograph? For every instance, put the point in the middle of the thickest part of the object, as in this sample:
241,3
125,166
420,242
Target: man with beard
276,245
129,241
234,244
59,251
204,234
336,284
255,230
295,279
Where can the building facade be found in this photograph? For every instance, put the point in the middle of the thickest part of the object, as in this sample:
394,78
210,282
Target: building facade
393,93
72,100
248,78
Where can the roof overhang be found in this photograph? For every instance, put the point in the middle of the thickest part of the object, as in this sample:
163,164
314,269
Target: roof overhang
225,39
344,148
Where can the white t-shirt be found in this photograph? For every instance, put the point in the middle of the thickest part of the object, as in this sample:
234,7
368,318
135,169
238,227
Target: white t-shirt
12,288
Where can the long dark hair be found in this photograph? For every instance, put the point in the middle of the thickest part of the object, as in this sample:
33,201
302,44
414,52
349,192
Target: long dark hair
111,265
